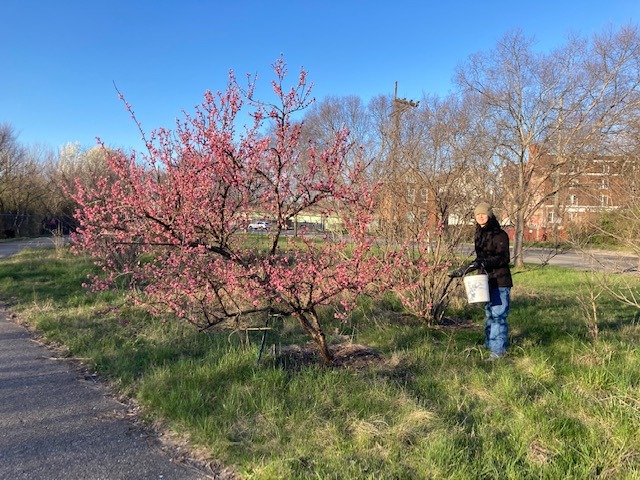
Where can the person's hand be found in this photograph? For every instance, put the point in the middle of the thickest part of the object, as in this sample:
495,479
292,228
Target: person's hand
458,272
477,264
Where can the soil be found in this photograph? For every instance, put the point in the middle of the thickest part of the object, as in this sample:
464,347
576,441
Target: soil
351,355
345,355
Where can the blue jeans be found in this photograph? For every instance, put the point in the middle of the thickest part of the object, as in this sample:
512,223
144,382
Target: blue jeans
495,328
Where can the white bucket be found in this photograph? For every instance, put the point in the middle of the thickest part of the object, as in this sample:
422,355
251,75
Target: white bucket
477,288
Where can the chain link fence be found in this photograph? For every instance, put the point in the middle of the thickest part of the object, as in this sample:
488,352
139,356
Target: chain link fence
13,225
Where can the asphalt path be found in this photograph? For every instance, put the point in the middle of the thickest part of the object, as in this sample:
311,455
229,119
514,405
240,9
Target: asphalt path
11,248
60,423
57,423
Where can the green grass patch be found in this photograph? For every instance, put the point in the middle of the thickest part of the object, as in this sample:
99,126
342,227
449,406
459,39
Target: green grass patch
560,406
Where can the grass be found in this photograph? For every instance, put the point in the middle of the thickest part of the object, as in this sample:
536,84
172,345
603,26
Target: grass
560,406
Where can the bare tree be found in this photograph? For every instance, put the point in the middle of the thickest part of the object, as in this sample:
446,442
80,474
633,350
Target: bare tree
450,161
12,154
74,164
547,113
398,129
439,171
23,185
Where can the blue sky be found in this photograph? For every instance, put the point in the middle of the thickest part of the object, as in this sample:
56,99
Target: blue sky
59,60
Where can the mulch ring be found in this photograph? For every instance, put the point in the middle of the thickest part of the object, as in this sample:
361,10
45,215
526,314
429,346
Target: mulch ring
345,355
352,355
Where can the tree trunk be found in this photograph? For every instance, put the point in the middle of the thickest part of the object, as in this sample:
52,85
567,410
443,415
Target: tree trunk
518,241
309,321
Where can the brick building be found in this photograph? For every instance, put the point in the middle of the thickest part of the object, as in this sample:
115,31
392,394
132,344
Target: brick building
587,188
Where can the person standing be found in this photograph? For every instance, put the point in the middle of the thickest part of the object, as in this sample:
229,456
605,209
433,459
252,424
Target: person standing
492,256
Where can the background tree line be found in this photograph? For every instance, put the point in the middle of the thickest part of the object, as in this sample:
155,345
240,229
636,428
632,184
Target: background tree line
34,181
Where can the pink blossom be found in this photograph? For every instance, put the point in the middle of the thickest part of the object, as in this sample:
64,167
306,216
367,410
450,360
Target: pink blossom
168,223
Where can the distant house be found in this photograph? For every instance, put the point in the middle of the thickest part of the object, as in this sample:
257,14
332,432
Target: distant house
317,222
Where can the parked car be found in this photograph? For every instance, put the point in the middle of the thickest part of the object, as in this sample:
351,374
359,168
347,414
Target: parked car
259,225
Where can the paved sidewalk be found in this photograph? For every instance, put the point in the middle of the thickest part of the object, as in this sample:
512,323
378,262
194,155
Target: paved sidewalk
57,425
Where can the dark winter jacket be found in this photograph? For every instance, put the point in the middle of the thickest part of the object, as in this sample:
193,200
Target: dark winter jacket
492,252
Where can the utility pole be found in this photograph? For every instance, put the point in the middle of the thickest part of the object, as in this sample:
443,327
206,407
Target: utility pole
400,106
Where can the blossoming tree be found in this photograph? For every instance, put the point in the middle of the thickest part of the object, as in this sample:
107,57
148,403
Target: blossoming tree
171,220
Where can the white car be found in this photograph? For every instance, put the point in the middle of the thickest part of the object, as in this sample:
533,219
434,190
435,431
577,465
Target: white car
259,225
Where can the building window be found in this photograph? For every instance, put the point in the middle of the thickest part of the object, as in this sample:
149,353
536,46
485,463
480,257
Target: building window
551,217
604,183
411,195
424,195
573,200
604,200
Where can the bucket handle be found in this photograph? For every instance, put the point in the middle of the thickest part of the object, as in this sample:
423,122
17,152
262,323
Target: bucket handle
481,270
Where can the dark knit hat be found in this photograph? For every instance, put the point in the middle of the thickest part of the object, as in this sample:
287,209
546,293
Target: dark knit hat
483,208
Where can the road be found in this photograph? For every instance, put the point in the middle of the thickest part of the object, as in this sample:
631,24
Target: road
591,260
599,260
594,260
